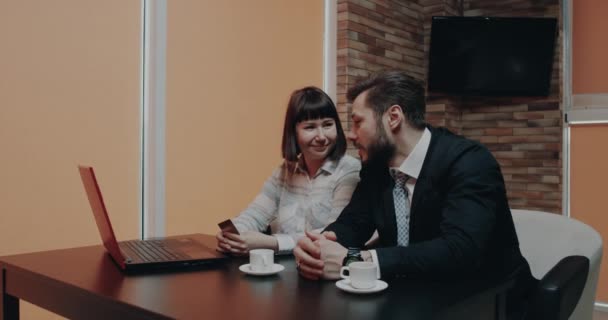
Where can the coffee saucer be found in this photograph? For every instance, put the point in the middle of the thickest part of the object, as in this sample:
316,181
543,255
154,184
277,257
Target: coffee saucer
276,268
344,284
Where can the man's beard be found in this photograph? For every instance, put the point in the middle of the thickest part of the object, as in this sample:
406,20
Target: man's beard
380,152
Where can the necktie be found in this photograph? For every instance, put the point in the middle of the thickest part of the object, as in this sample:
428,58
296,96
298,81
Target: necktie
402,208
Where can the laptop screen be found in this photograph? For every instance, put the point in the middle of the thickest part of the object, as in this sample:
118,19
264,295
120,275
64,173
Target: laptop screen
101,215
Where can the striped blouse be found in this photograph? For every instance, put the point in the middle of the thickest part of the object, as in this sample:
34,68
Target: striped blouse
291,201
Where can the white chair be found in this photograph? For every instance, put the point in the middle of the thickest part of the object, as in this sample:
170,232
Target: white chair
546,238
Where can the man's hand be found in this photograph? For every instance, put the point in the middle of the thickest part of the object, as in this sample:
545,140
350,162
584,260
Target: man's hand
242,244
316,256
308,256
332,254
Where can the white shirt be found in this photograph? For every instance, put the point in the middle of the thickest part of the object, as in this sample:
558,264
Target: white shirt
411,166
291,201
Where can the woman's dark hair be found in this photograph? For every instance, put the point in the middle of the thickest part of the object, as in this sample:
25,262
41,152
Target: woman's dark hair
306,104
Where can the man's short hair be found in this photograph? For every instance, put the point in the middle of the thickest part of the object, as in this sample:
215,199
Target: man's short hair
388,88
306,104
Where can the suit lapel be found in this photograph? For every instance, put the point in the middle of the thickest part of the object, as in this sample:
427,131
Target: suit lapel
421,188
424,185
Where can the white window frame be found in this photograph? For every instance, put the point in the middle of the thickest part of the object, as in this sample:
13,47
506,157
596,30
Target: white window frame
153,97
153,86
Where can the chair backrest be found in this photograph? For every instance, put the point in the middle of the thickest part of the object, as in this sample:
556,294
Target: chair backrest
546,238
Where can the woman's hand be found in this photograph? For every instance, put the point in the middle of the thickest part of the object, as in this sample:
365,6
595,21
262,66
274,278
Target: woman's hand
248,240
223,243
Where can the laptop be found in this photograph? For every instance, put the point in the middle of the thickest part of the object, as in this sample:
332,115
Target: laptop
144,255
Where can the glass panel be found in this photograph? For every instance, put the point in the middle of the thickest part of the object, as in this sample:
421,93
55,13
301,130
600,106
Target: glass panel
231,66
588,179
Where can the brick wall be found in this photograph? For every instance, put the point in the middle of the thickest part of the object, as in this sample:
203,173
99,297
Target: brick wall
526,139
525,134
375,35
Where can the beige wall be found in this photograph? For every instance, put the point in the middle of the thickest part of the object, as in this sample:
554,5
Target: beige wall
231,66
69,94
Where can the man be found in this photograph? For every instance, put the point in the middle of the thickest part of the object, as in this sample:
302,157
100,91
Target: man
437,200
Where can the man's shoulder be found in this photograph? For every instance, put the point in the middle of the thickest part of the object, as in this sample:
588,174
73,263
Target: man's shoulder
453,144
448,148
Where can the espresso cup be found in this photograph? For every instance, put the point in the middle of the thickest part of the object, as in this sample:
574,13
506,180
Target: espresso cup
261,260
362,275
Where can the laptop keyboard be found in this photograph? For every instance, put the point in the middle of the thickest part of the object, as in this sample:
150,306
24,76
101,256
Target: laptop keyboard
151,251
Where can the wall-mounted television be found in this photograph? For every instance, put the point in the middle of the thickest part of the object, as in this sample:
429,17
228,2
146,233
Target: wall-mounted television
491,56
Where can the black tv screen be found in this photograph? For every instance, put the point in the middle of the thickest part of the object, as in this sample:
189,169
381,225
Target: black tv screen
491,55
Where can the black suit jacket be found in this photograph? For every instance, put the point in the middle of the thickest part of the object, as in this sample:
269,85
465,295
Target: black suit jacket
460,221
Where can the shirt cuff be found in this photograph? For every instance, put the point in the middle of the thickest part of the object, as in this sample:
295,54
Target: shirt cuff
285,242
375,261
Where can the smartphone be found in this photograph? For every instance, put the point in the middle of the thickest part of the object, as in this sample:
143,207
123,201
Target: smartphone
228,226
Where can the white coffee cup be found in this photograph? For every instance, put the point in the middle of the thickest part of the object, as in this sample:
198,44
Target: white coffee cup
261,260
362,274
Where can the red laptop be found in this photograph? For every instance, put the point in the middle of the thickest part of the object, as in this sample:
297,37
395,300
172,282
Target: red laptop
142,255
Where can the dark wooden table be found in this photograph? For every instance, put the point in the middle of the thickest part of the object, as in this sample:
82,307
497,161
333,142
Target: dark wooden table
84,283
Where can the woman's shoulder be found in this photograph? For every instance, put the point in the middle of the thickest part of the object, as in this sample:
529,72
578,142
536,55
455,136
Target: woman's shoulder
287,169
285,166
349,163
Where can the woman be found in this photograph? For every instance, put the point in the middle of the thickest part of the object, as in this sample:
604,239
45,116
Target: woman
309,190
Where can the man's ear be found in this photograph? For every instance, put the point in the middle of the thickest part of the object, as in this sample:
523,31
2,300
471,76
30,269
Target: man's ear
395,116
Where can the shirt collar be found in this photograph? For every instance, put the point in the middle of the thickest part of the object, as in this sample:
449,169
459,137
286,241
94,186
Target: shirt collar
412,165
328,166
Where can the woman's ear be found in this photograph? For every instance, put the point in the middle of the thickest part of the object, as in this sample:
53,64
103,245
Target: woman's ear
395,116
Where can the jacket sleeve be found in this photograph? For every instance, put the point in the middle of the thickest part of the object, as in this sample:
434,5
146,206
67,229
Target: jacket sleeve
355,224
473,187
